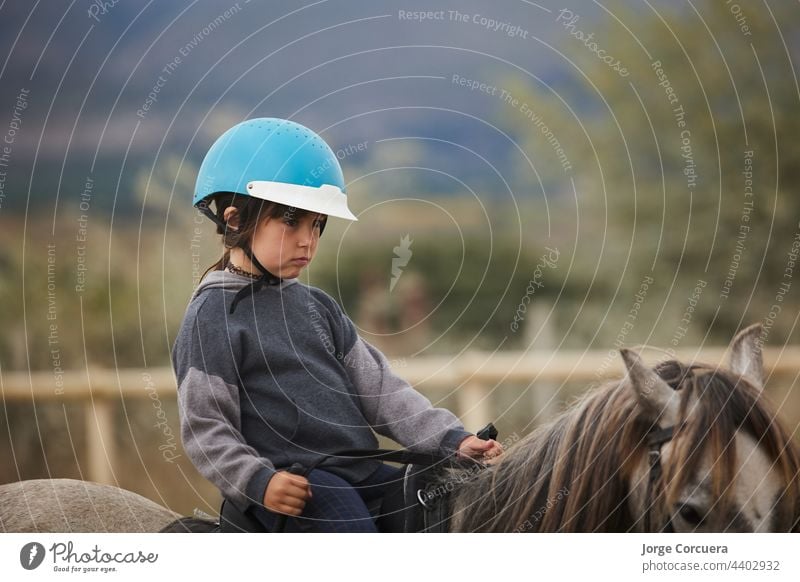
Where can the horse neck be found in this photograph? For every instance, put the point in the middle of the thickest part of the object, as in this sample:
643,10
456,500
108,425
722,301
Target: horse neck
568,475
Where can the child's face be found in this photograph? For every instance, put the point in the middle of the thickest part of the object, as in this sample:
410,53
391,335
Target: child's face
285,245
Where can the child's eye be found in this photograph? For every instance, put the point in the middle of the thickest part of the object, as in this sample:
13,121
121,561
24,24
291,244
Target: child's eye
290,221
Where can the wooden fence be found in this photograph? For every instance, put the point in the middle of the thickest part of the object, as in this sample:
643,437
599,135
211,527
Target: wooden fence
471,378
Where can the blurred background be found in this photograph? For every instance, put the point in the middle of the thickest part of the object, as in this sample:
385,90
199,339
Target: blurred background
537,184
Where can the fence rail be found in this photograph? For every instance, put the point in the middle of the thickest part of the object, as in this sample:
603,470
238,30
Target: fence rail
471,378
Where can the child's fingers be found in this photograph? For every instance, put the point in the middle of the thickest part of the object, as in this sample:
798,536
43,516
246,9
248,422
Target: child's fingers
290,509
484,448
296,480
294,502
495,446
477,446
493,460
299,488
286,504
494,451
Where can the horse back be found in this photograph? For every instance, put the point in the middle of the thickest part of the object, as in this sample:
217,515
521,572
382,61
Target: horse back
69,505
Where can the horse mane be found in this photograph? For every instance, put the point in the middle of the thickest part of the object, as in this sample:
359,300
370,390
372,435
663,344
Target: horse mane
573,473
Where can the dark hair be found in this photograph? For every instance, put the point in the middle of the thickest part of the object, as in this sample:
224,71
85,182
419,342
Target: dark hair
252,211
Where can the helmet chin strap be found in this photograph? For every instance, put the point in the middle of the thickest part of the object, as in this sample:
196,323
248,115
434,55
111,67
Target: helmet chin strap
208,213
266,278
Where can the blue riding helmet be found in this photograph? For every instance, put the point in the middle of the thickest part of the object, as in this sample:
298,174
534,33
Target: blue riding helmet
276,160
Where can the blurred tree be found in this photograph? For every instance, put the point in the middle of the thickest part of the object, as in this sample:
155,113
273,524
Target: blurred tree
660,156
163,189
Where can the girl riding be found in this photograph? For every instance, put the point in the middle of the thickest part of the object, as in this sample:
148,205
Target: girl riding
271,371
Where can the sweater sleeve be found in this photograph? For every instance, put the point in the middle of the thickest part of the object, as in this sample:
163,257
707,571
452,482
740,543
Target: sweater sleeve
391,405
204,360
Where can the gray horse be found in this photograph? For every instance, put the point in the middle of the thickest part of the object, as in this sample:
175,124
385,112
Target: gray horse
722,463
68,505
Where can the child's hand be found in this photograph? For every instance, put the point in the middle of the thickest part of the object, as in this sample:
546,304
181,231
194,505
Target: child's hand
287,493
477,448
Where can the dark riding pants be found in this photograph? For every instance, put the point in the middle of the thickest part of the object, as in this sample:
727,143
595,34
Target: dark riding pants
336,505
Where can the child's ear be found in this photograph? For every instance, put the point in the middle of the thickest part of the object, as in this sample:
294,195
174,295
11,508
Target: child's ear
231,217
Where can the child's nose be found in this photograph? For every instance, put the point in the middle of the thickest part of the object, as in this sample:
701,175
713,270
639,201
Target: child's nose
306,236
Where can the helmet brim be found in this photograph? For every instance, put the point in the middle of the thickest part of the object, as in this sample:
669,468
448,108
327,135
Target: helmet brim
326,199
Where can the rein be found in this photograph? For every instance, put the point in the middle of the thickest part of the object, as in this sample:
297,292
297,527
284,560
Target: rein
655,439
404,457
401,456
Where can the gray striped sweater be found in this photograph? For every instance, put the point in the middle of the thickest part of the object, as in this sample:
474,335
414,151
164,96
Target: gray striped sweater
285,379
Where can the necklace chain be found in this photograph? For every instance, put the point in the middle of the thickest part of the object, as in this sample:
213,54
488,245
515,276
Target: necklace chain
231,268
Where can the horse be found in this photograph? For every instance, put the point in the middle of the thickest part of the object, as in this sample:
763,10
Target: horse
679,447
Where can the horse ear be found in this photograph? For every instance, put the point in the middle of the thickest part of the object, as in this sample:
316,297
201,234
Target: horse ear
656,396
745,357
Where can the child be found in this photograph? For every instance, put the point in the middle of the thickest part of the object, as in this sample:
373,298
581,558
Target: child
272,372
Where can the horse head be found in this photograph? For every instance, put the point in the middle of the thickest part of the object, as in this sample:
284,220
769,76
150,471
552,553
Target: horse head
728,466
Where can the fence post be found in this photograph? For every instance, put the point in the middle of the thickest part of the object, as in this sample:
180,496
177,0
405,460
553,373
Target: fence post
543,392
473,405
100,439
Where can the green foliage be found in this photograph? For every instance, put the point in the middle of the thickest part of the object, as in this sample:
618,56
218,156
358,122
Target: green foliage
472,286
663,180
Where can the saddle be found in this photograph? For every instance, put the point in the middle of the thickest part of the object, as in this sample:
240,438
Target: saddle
420,504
